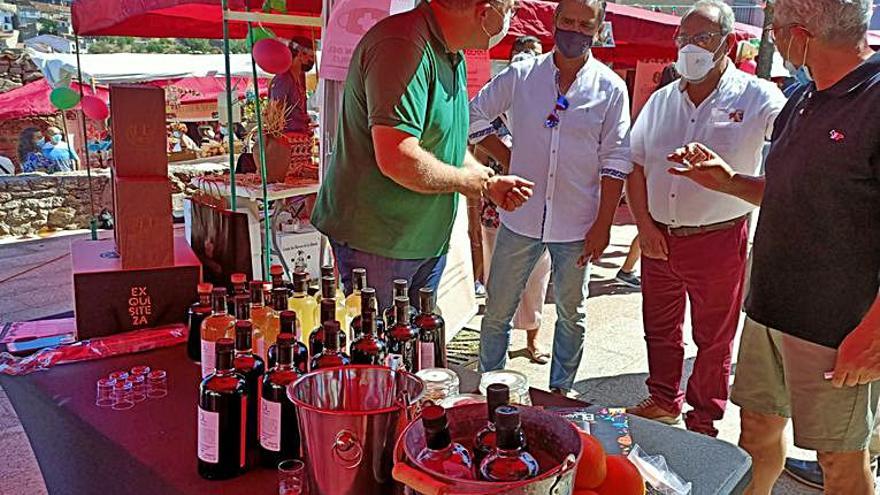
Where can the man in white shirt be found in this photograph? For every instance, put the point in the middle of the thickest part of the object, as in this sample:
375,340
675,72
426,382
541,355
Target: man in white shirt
569,118
694,240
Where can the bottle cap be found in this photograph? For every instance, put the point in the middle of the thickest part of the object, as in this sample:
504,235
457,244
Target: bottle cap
288,321
276,270
327,271
300,281
205,288
497,394
244,331
434,418
238,278
507,418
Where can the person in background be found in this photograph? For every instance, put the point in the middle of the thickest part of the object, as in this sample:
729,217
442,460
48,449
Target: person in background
186,142
578,156
814,302
62,154
30,152
530,310
694,240
389,199
6,166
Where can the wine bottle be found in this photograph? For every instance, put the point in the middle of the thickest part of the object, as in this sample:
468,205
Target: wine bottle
509,461
194,317
261,317
353,301
497,395
401,289
368,303
316,338
368,348
276,274
326,271
279,430
299,350
215,327
222,417
328,292
239,287
331,356
432,332
300,302
441,454
403,338
252,368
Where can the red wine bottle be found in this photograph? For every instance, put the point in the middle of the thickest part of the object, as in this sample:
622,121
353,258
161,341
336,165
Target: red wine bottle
509,461
316,338
368,348
368,302
300,352
401,289
276,272
441,454
331,356
195,316
222,418
279,429
497,395
252,368
403,338
238,288
432,332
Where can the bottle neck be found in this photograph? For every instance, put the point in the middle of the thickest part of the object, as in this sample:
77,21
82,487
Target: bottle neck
508,439
224,363
401,314
438,440
285,356
205,300
426,304
219,305
331,341
400,291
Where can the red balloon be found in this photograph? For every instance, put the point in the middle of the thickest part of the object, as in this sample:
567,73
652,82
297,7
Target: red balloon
272,56
95,108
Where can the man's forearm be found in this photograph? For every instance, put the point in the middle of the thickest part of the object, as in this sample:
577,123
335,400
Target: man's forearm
608,201
746,187
637,196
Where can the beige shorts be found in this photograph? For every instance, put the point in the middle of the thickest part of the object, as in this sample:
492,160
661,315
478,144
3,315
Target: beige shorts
783,375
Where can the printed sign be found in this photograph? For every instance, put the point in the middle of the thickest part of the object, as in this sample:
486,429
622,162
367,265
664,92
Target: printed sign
647,78
479,70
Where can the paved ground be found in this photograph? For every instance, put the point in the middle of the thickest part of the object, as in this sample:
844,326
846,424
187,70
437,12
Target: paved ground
35,282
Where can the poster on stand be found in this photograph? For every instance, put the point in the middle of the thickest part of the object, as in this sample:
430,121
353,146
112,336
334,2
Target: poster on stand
479,70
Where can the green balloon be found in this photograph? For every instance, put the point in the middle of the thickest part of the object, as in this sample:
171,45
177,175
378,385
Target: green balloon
256,34
64,98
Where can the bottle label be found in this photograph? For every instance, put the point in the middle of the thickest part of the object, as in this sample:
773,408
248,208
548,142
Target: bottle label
208,357
209,436
426,355
270,425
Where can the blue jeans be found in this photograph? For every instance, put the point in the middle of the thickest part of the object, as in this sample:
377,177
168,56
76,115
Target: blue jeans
382,271
515,257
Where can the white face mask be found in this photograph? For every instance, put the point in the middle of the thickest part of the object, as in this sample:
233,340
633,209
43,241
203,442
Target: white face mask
694,62
496,38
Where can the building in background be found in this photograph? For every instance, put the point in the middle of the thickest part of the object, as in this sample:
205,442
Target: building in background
35,18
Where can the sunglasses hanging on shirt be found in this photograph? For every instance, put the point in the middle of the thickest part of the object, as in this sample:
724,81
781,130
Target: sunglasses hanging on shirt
552,120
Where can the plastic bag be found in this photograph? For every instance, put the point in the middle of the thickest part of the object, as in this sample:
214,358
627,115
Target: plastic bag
657,474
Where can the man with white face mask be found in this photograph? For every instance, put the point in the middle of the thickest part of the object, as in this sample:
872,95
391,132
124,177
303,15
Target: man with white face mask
569,118
694,240
389,198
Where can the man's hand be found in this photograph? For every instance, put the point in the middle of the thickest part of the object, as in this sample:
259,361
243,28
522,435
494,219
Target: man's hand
858,358
508,192
701,165
595,242
652,242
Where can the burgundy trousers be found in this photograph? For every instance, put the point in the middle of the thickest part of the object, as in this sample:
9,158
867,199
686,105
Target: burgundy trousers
708,269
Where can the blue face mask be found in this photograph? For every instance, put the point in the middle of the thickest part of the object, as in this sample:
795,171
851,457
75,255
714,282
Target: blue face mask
56,138
572,44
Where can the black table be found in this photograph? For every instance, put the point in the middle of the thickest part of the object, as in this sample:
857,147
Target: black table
150,449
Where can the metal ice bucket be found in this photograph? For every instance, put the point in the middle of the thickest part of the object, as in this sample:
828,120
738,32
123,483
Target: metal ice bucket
553,441
349,419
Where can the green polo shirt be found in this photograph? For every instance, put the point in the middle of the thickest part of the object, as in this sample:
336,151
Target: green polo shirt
402,76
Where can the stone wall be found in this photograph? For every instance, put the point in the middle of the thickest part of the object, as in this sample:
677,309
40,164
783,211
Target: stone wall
16,70
33,202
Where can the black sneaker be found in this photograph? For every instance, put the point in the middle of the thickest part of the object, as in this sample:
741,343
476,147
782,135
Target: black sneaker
629,279
806,472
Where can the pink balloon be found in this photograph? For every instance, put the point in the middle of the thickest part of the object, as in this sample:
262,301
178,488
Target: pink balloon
272,56
95,108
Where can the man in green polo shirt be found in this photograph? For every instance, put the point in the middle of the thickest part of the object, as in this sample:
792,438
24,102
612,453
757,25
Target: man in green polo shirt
389,198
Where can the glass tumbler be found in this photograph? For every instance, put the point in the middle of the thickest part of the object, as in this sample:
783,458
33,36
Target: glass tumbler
157,384
142,370
292,478
138,388
122,400
104,397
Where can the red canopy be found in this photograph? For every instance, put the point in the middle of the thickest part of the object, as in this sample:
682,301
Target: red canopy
177,18
205,89
639,34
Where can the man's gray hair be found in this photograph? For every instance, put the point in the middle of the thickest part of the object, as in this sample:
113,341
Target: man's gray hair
726,19
843,21
600,3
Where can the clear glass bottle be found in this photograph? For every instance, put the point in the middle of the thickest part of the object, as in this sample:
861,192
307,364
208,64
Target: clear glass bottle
215,327
194,317
509,461
368,348
300,302
353,301
402,338
331,356
497,395
441,454
222,417
432,332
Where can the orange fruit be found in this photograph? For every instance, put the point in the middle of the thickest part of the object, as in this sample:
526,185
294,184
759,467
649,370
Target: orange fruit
591,468
623,478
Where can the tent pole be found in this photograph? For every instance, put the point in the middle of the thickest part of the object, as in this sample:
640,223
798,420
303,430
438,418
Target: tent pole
267,254
229,124
93,222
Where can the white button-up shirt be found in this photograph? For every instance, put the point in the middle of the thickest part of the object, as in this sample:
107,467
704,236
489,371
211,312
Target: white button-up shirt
566,162
734,121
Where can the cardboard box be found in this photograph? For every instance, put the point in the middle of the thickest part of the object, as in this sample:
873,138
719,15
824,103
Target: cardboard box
139,136
109,299
142,213
301,250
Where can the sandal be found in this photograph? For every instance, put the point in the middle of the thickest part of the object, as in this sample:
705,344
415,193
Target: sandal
538,357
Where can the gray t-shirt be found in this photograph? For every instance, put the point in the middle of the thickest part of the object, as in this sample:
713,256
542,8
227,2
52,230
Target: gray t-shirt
816,265
292,93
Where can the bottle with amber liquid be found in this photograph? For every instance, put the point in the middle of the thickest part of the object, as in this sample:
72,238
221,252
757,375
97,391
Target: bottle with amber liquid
273,325
328,293
316,338
368,303
368,348
432,332
261,317
326,271
194,317
299,350
215,327
252,368
239,287
353,301
402,338
331,356
279,429
441,454
497,395
300,302
222,417
509,461
401,289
